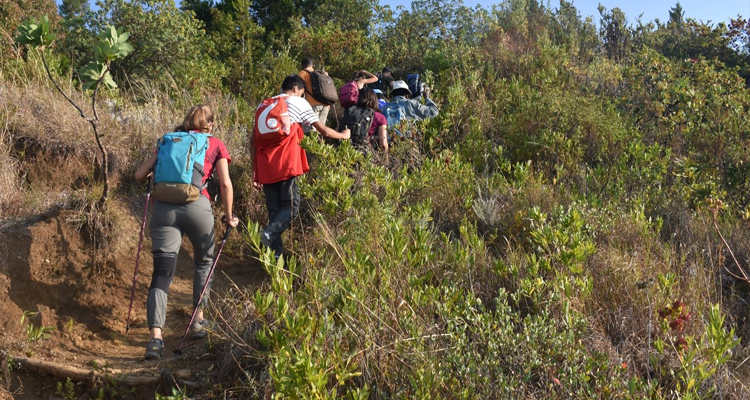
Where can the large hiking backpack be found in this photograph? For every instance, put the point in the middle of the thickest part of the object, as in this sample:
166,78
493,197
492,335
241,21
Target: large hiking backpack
349,94
272,122
358,120
323,88
394,112
415,85
178,176
278,155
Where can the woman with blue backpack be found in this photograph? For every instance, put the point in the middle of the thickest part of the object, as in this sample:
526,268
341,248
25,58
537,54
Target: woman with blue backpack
183,162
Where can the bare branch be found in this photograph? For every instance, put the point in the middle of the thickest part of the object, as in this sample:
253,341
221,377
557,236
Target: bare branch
105,165
737,263
96,91
94,125
49,74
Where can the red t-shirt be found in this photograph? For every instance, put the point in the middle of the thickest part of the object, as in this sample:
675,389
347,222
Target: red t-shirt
279,160
216,151
378,120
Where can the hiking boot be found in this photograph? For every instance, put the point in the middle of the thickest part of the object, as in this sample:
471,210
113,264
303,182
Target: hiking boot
154,349
265,239
199,330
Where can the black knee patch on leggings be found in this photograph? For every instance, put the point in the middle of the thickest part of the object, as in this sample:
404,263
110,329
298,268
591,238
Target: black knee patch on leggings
165,265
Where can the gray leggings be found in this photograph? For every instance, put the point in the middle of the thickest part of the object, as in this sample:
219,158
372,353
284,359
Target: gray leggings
168,223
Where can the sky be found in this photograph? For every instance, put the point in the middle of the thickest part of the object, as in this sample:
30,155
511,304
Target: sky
701,10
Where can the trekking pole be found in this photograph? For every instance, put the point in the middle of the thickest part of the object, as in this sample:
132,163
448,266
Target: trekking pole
178,351
335,115
138,255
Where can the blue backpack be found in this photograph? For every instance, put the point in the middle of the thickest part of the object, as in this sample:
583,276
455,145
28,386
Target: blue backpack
415,85
178,176
394,112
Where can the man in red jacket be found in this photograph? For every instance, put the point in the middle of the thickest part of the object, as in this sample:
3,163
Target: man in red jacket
277,165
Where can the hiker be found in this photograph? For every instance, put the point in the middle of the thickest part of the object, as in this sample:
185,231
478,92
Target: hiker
403,107
278,159
319,108
364,121
377,135
385,83
349,93
381,99
172,218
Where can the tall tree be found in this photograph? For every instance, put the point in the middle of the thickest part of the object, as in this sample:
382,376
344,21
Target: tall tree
676,15
274,15
615,33
345,14
74,8
201,9
430,25
569,29
77,40
238,41
171,45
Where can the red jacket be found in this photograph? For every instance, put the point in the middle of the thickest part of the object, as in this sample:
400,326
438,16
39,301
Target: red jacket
280,157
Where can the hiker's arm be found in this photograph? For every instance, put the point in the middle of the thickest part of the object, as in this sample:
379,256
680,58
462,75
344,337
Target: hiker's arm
370,78
383,137
424,111
227,193
331,133
145,170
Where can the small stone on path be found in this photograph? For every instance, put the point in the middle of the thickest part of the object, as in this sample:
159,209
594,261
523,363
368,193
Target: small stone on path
183,373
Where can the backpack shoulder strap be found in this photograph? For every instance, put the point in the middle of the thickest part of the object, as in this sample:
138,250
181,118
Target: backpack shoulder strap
371,117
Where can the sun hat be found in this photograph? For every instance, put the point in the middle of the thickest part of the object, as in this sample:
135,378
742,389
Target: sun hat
400,88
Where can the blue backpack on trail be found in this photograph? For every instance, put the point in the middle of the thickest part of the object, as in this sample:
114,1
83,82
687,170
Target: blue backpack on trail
415,85
394,112
178,174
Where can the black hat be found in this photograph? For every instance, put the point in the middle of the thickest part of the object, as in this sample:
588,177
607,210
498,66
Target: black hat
386,69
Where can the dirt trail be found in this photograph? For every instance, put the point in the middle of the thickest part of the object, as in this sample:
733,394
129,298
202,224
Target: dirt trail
43,269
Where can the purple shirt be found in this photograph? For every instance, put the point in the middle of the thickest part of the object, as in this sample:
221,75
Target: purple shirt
378,121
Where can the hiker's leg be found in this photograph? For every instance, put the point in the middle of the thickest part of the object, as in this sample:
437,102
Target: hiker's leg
198,225
166,238
273,203
165,265
281,203
271,190
290,198
322,112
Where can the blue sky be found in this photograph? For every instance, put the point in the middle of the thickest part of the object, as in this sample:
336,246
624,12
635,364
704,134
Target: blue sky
702,10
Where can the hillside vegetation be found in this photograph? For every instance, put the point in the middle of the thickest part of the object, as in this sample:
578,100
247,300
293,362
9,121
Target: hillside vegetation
574,223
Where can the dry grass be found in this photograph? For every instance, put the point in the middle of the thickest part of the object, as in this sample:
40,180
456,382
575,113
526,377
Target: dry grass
623,308
49,150
10,173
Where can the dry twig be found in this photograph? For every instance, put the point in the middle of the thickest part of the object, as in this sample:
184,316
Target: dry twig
744,277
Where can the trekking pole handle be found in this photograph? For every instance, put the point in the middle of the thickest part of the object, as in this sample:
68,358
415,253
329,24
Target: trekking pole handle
225,220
